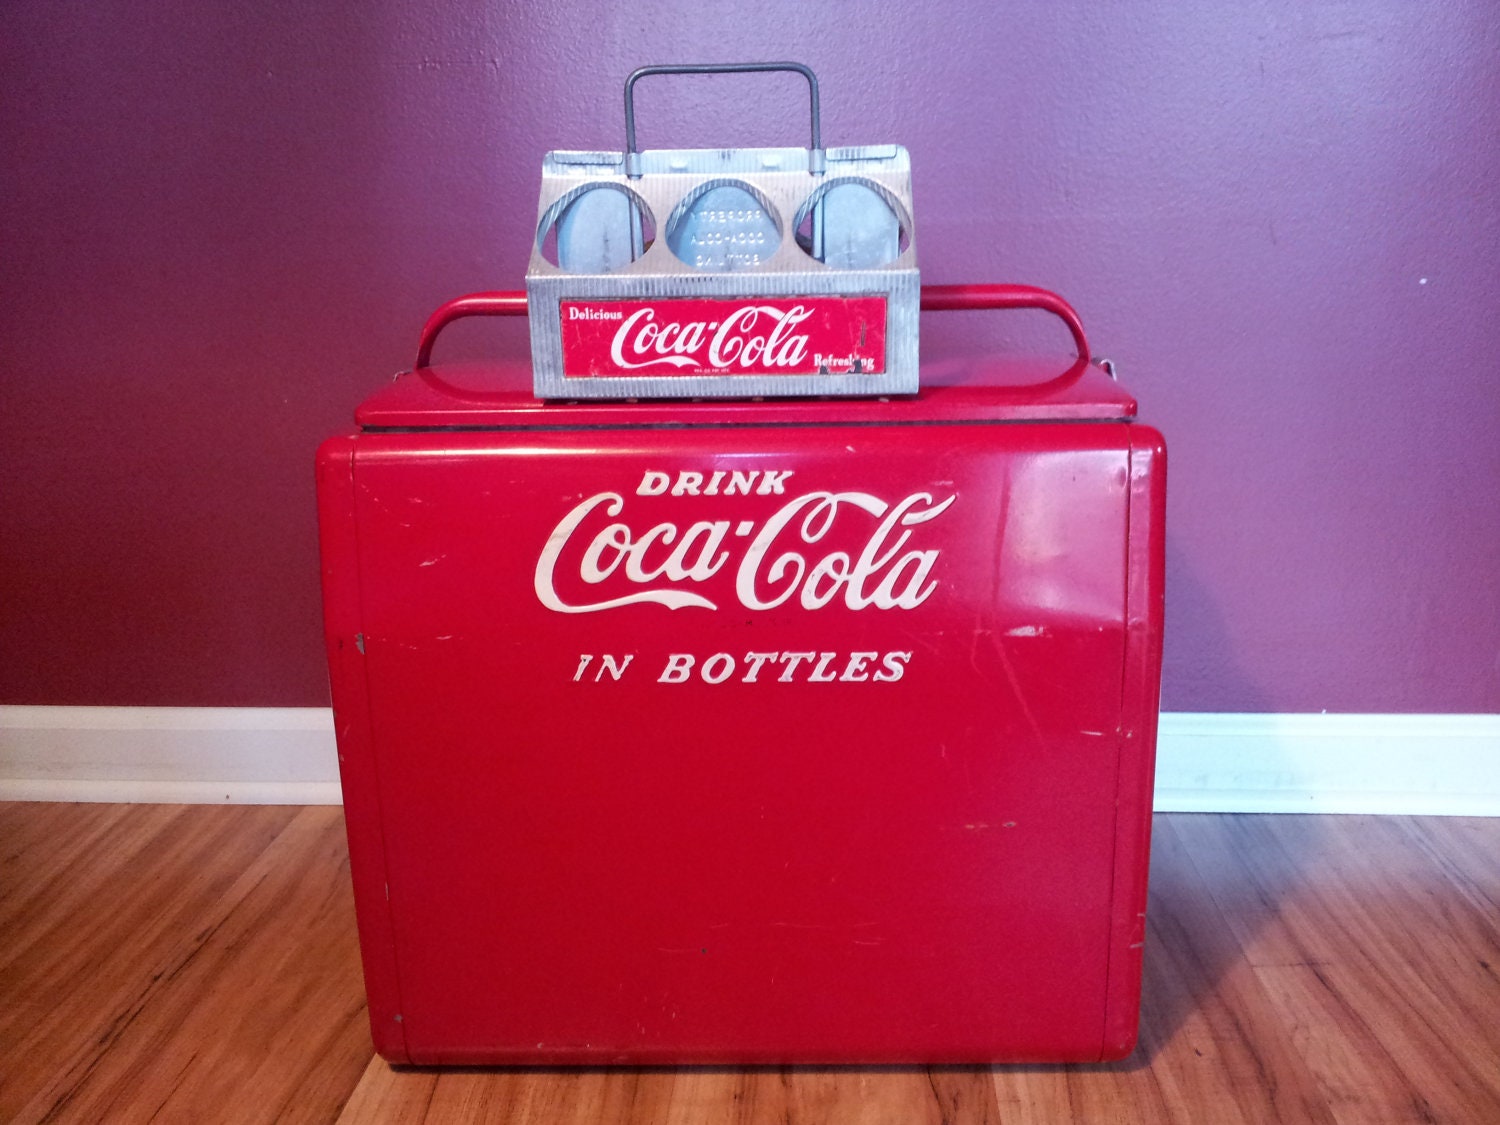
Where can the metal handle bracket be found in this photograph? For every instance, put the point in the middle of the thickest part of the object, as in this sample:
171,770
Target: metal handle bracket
816,159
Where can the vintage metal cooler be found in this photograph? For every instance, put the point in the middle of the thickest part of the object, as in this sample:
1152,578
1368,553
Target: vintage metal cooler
743,732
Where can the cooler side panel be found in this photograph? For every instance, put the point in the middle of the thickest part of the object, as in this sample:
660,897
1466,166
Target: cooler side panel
1144,600
344,638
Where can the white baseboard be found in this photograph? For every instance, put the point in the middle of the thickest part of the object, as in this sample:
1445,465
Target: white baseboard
172,755
1430,765
1414,764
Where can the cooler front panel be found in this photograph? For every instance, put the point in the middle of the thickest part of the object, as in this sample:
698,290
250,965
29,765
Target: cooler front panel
753,743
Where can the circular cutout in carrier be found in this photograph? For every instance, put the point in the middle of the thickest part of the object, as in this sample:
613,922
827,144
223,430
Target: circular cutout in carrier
599,228
852,224
723,227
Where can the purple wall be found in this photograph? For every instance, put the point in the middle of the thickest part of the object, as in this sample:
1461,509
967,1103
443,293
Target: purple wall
221,226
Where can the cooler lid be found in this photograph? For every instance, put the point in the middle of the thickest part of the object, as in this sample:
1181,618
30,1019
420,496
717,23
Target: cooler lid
498,395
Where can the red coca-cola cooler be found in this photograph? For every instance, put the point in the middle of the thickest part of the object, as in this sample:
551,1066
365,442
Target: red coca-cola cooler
803,729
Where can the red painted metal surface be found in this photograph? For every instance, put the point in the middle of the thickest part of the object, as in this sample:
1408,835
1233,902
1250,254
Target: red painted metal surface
953,390
683,337
935,298
805,731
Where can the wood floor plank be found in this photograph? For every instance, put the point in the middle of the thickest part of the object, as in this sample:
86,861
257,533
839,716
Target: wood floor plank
473,1095
1367,951
567,1097
687,1096
906,1094
38,844
1041,1095
236,1022
199,964
867,1096
1376,903
966,1094
1209,1035
385,1096
1467,851
69,866
1362,1082
111,921
725,1096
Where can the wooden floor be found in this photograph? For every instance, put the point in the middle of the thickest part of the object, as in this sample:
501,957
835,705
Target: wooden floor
198,964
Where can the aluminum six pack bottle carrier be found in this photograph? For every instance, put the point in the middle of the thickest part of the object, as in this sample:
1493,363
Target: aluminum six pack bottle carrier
748,731
724,272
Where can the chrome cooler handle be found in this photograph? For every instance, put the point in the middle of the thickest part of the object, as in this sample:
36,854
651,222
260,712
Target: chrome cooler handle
815,163
957,298
509,303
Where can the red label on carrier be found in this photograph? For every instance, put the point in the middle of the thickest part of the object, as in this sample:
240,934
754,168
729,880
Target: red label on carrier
730,336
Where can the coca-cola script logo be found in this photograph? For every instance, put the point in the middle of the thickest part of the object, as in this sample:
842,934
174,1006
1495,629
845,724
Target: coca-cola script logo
756,336
783,556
